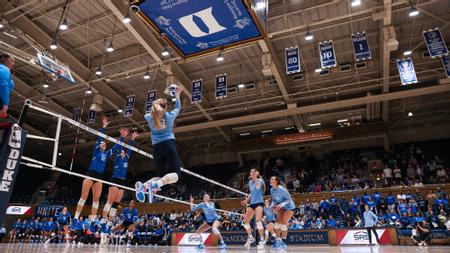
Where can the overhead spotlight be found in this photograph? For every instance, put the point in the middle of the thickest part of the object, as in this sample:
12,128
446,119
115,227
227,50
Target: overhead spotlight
60,154
413,11
241,86
309,36
119,110
110,48
63,26
220,57
89,91
356,3
260,5
165,52
126,19
318,70
407,52
147,74
98,71
53,45
45,85
410,114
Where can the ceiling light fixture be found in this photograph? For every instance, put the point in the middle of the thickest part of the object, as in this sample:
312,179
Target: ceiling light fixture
147,74
244,134
260,5
45,85
89,91
410,114
119,110
165,52
315,124
413,11
63,26
342,120
356,3
110,48
318,70
98,71
53,45
407,52
220,57
241,86
309,36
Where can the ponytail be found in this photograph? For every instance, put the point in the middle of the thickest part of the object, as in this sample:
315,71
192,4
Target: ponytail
157,114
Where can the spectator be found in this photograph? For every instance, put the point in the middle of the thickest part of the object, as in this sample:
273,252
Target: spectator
423,237
387,174
397,174
442,219
370,221
447,224
2,233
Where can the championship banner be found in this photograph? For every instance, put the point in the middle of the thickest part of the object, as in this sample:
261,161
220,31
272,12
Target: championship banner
192,239
195,27
13,144
361,46
129,106
292,57
360,236
151,97
327,54
221,86
406,71
435,42
91,117
76,114
446,63
197,89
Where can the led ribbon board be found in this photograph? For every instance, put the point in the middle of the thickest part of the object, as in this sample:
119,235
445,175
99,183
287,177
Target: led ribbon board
194,27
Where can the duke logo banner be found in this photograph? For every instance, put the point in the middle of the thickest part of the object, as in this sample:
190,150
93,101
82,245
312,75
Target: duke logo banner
292,55
197,88
406,71
221,86
129,106
12,145
446,64
327,54
435,43
361,46
151,97
194,26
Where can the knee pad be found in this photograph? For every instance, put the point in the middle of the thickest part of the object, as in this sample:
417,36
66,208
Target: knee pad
246,226
107,208
95,205
283,227
115,205
81,202
259,225
171,178
277,225
215,231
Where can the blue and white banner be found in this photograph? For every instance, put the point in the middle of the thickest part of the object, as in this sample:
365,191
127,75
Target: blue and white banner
327,54
129,106
292,55
446,64
361,46
91,116
406,71
197,89
195,26
435,42
221,86
151,97
76,114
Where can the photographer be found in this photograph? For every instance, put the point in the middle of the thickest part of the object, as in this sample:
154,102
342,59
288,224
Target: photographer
423,237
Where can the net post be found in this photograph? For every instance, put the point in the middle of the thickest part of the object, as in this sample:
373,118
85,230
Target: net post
55,147
24,112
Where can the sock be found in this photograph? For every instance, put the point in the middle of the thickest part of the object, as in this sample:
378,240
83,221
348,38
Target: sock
77,215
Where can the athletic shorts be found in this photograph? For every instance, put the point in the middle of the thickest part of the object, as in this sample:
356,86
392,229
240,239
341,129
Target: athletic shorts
254,206
63,223
126,224
94,174
166,158
119,181
212,222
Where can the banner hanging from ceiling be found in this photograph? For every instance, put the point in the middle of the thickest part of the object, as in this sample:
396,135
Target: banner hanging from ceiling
195,27
327,54
292,55
406,71
435,43
151,97
361,46
446,64
129,106
91,116
197,88
221,86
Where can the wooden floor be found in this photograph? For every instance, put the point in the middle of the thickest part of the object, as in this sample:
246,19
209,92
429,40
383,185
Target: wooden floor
40,248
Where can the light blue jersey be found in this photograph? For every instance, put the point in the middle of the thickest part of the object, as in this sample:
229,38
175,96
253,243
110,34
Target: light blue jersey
6,85
256,191
208,210
281,197
270,214
160,135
